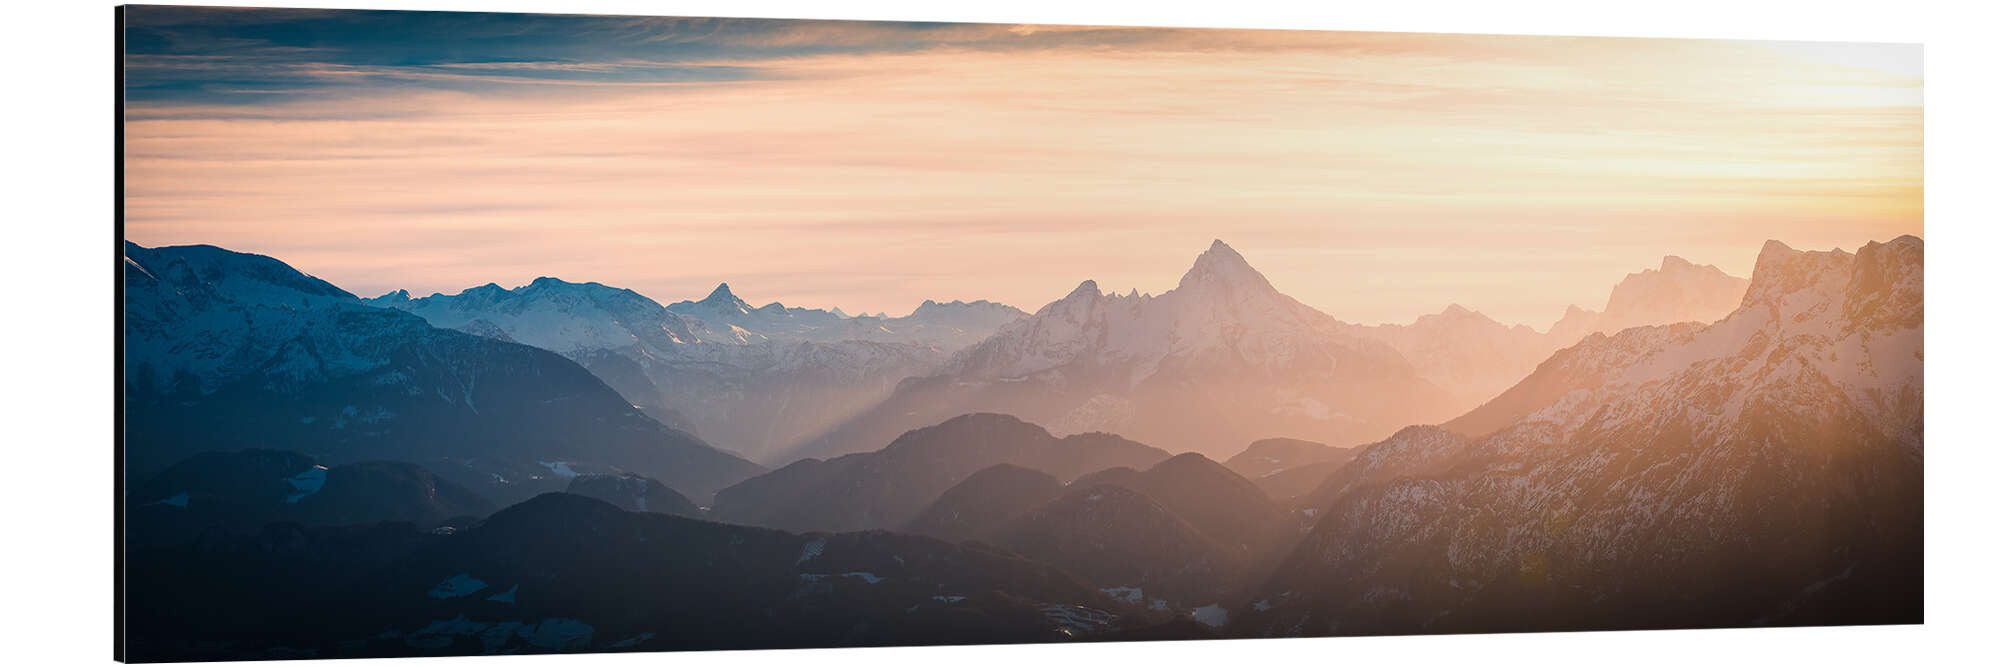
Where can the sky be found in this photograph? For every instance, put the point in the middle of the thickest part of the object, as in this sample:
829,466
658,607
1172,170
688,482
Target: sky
870,166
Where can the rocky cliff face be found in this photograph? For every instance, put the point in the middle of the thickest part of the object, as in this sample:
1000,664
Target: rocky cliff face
1766,469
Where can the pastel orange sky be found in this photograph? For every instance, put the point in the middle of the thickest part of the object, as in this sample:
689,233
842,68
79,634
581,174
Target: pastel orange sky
872,166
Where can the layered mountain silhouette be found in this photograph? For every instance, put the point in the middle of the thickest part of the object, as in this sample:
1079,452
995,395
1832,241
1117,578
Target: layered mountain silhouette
1677,291
1221,359
1286,468
755,380
1274,455
228,351
948,325
1126,543
1181,533
1476,357
500,471
976,507
888,488
565,573
1763,470
633,493
245,490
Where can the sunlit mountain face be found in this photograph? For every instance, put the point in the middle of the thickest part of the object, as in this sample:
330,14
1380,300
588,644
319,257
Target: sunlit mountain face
1761,469
705,334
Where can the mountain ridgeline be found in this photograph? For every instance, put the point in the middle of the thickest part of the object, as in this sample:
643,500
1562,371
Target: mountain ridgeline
519,470
753,379
227,351
1221,359
1763,470
1475,357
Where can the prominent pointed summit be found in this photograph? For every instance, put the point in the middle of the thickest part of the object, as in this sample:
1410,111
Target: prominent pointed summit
1156,366
721,300
1222,266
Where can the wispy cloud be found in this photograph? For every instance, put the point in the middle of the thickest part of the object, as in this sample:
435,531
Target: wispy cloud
1375,176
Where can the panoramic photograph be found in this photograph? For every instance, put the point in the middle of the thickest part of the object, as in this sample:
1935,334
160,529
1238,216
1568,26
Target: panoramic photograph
452,333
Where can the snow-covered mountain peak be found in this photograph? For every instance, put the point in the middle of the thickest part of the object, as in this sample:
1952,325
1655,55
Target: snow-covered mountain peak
1782,271
395,296
1223,313
1815,326
1887,286
1222,268
1084,290
198,270
721,298
552,314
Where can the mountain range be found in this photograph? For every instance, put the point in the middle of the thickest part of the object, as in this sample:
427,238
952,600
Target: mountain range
754,380
887,488
779,383
1221,359
1764,469
525,470
1476,357
227,351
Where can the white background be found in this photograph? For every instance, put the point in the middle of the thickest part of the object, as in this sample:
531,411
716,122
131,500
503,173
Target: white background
57,255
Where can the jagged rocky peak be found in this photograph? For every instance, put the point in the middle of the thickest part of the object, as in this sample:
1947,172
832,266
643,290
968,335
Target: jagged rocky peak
1221,266
393,297
722,296
975,318
1678,291
1882,284
1887,284
1781,271
957,304
1083,297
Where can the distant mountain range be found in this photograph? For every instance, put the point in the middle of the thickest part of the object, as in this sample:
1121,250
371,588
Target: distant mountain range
887,488
310,474
227,351
722,316
779,383
755,380
1220,360
1286,469
1475,357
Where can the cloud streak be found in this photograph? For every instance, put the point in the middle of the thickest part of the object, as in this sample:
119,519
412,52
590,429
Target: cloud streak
1374,176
